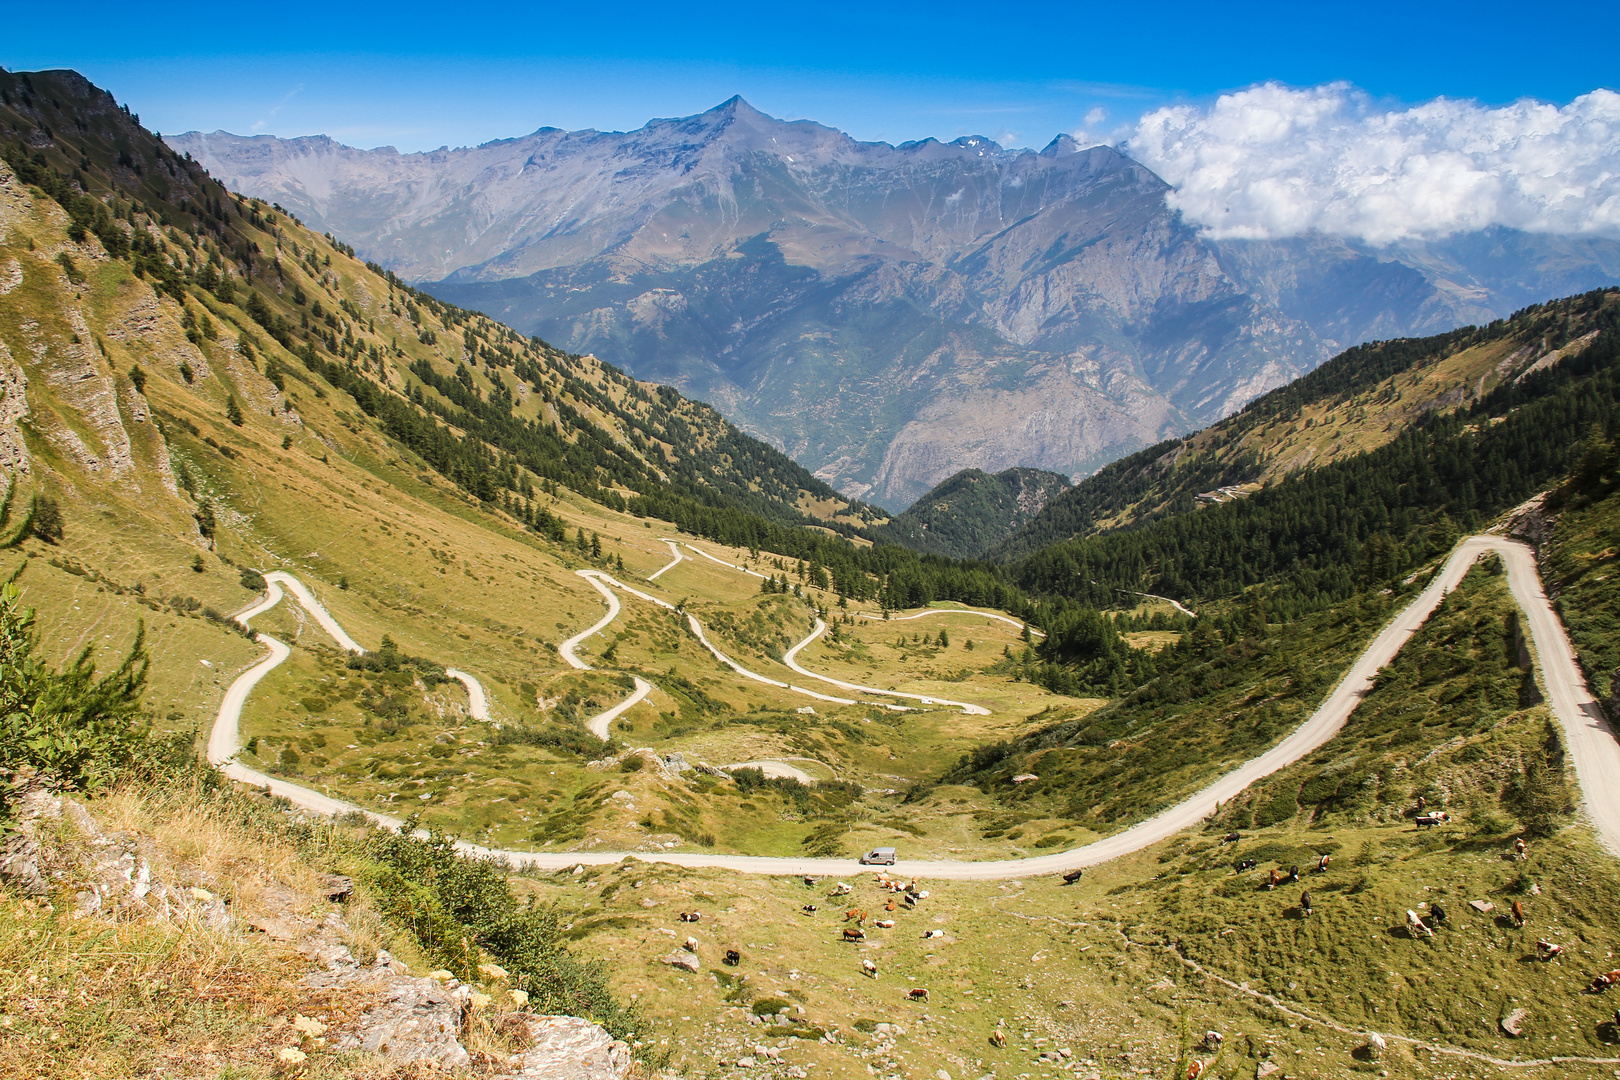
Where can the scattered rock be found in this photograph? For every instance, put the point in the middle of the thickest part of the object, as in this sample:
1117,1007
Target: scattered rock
1265,1069
563,1048
338,888
746,1063
55,842
1484,907
1513,1022
684,960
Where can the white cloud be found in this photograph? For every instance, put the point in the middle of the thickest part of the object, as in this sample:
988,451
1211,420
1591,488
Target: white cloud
1096,116
1274,161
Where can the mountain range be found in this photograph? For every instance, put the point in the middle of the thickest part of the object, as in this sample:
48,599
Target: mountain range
887,315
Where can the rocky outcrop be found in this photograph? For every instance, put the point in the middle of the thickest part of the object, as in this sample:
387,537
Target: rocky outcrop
56,846
562,1048
14,457
419,1020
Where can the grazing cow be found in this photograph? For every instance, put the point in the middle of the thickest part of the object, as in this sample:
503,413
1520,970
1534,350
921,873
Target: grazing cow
911,900
921,894
998,1038
1247,864
1274,880
1231,838
1437,913
869,968
1421,803
891,905
1293,873
1195,1069
691,916
1604,981
856,915
691,944
1415,927
1516,910
810,881
809,909
1322,864
1213,1040
917,993
1546,950
843,888
884,924
1519,848
1072,876
1429,821
933,934
1305,901
733,958
854,935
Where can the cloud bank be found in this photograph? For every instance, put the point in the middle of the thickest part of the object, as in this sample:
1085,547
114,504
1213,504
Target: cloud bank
1274,161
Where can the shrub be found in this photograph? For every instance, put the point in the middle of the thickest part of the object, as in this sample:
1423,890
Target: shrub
47,519
71,729
453,905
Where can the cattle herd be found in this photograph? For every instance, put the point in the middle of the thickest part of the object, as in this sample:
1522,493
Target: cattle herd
905,893
1416,925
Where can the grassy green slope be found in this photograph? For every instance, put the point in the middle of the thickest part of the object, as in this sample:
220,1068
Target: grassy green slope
1359,401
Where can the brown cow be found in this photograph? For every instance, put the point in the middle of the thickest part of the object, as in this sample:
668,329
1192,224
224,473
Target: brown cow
1604,981
1517,910
691,916
856,915
1322,865
1305,902
1195,1070
854,935
1519,848
1274,880
809,909
998,1039
1546,950
917,993
891,905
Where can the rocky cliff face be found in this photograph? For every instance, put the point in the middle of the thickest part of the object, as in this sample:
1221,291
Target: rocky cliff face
887,314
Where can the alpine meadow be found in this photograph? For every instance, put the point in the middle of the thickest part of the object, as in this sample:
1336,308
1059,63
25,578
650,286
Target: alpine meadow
732,597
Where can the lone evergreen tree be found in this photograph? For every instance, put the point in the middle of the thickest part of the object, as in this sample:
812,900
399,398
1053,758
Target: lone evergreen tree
233,411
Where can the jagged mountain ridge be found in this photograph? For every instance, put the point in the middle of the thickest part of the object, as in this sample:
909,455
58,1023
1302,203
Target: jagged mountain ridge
888,315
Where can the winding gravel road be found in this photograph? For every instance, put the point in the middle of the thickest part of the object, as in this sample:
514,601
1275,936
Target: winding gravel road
1592,744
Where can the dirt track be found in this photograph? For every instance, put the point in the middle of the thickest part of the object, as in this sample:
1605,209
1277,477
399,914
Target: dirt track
1592,745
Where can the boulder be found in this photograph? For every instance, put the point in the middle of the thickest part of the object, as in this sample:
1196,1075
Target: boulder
1513,1022
684,960
419,1021
562,1048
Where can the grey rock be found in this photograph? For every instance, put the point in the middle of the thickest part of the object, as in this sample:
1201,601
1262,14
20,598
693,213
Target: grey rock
563,1048
420,1021
684,960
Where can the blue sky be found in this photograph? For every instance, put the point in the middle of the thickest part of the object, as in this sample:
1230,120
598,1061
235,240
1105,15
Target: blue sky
419,76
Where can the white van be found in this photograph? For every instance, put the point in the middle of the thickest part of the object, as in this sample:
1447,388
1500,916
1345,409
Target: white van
882,856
